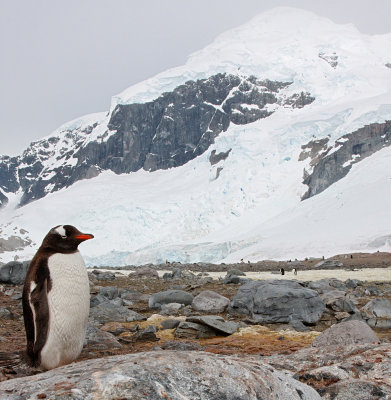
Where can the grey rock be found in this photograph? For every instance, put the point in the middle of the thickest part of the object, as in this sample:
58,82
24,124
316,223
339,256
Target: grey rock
5,313
192,330
337,301
181,346
276,301
210,301
145,335
98,340
232,279
354,389
163,374
170,309
144,272
103,275
111,292
378,312
109,312
353,283
170,323
345,333
134,296
170,296
14,272
324,285
217,323
297,325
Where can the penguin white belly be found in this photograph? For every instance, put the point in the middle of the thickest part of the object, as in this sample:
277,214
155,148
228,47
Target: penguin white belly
69,304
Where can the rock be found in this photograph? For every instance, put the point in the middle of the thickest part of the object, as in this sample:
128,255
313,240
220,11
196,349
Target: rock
17,296
170,323
354,389
170,309
14,272
353,283
328,264
297,325
345,333
98,299
110,292
210,301
276,301
162,374
192,330
232,279
170,296
217,323
107,312
337,301
134,296
145,335
181,346
98,340
103,275
378,312
5,313
144,273
324,285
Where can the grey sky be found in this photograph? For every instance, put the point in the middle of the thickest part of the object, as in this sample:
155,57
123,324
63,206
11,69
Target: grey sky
63,59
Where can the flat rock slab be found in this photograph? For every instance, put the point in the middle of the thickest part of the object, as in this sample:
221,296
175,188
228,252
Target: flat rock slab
157,375
217,323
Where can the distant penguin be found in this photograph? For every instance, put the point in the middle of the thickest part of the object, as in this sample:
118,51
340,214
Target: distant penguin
56,299
294,270
282,271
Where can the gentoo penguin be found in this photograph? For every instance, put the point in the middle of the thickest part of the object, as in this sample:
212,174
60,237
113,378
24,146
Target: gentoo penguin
56,299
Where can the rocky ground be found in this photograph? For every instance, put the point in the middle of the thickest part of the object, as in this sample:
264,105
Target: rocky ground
284,324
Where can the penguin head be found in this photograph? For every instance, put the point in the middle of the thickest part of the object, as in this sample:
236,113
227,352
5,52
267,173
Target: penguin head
65,238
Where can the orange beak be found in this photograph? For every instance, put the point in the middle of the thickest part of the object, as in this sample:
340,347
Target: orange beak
84,236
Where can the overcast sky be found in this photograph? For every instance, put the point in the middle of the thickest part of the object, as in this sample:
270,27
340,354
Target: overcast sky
63,59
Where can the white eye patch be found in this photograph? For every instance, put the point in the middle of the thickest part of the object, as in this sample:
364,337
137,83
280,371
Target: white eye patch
61,231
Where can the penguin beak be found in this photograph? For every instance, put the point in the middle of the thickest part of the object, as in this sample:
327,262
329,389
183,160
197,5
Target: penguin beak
84,236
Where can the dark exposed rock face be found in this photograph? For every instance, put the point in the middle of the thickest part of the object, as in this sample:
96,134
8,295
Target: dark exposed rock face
166,132
335,162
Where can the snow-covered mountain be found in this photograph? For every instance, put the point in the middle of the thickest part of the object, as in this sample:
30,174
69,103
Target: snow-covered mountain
272,142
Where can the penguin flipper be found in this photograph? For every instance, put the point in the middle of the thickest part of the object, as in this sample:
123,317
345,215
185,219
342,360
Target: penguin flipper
39,300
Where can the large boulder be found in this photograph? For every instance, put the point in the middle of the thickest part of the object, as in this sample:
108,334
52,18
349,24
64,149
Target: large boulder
210,301
160,375
378,312
14,272
277,301
170,296
345,333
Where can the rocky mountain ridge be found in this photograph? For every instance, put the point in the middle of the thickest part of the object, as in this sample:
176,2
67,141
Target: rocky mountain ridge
164,133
